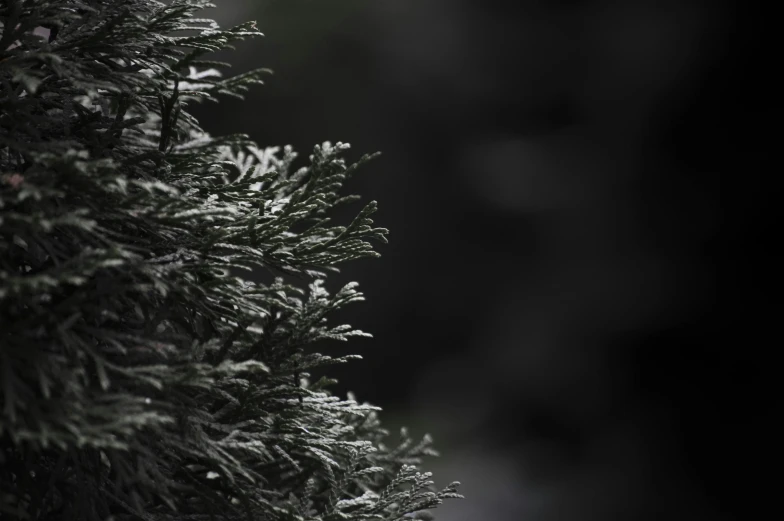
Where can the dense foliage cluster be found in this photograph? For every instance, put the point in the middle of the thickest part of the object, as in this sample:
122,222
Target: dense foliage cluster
142,376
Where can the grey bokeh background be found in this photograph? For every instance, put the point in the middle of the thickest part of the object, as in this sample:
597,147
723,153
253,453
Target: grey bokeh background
580,234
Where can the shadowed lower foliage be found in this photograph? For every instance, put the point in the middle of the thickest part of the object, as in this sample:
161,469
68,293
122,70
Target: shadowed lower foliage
141,376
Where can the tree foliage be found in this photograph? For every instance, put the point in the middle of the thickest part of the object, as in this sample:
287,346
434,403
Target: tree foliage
142,376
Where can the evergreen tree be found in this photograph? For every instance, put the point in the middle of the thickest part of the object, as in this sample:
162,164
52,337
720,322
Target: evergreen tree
141,376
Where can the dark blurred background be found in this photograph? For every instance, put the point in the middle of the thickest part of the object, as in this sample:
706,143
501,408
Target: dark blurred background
572,300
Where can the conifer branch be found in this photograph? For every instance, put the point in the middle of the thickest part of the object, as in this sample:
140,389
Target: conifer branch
141,377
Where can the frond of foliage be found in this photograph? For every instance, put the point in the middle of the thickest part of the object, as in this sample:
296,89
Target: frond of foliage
142,377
